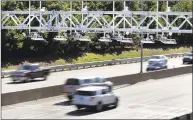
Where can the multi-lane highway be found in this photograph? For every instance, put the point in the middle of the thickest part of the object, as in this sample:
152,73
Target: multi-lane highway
58,78
160,99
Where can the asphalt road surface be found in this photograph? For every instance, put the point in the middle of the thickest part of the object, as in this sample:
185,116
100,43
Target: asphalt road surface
59,78
154,99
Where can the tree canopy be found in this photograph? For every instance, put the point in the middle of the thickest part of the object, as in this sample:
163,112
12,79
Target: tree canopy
14,44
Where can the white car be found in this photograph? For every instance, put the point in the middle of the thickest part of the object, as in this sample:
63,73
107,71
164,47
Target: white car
96,97
72,84
157,62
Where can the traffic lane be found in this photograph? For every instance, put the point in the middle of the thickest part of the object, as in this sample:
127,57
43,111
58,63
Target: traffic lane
154,99
59,78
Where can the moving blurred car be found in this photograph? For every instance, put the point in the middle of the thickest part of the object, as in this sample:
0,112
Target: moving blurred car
28,72
188,58
72,84
96,97
157,62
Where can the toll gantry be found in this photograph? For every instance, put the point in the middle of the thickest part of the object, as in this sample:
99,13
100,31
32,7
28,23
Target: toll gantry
155,25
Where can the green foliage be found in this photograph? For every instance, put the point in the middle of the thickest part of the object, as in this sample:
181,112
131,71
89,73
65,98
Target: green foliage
91,57
15,45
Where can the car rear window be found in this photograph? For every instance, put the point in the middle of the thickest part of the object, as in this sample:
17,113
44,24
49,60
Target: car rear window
72,82
25,67
155,57
156,64
86,93
189,54
99,80
87,81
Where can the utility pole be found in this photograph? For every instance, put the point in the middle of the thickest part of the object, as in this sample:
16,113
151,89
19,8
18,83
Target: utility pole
0,40
141,47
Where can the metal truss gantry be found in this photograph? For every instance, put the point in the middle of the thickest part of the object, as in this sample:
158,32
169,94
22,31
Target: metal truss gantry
97,22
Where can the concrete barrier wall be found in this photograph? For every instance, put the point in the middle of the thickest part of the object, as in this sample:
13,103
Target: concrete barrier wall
135,78
34,94
29,95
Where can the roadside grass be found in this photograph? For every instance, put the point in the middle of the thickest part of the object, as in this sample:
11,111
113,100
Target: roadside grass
91,57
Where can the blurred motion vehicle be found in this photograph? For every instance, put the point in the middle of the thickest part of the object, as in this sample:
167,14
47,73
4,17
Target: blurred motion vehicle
29,72
157,62
72,84
95,97
187,58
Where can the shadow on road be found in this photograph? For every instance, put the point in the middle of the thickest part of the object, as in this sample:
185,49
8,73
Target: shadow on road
39,80
84,112
64,103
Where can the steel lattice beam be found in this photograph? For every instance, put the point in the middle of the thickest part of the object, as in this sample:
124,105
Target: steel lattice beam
96,21
97,0
61,20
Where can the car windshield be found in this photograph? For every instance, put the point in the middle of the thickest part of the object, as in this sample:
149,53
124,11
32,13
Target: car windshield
155,64
25,67
87,81
86,93
99,80
155,57
72,81
190,55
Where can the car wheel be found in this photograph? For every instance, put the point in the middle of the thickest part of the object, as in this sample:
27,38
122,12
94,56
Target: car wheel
78,107
45,77
26,80
116,102
99,107
70,98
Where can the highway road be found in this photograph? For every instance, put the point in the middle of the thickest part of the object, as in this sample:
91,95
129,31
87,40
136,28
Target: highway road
59,78
160,99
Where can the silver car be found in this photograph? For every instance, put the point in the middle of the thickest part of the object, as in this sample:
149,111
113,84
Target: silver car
157,62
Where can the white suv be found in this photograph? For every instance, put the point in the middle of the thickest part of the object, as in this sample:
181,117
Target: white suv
95,97
72,84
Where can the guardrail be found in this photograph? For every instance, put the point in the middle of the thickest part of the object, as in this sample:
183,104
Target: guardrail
94,64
